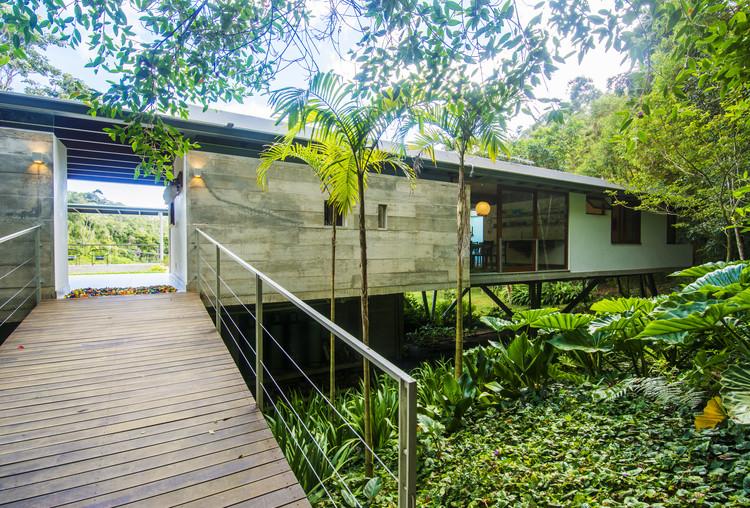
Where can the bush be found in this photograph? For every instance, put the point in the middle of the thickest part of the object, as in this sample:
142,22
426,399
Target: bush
553,293
561,292
414,313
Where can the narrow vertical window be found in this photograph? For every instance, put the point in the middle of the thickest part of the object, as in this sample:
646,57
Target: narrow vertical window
382,217
329,213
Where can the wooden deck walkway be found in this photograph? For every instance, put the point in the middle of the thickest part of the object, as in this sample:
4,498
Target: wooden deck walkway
132,399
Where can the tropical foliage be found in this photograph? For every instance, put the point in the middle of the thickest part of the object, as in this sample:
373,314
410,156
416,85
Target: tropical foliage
345,132
640,399
137,237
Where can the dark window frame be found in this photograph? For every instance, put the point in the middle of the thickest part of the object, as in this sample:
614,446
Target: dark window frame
626,224
382,216
328,214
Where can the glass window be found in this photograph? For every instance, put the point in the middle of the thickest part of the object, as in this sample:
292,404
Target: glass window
552,230
382,217
595,206
626,223
517,230
329,212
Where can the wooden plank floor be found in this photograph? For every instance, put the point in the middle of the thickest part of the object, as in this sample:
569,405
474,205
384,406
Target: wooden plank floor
131,399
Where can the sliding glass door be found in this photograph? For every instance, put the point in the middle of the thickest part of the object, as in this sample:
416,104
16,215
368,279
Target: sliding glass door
533,230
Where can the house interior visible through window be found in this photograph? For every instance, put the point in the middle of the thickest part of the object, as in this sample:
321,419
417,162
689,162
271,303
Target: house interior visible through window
329,213
626,223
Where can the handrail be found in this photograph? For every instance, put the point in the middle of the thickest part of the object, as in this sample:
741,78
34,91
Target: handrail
19,233
407,386
37,278
113,245
332,327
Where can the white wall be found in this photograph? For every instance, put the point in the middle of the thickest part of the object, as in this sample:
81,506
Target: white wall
591,248
60,214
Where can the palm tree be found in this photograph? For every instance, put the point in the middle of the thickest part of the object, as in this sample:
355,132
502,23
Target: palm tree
469,121
325,161
347,129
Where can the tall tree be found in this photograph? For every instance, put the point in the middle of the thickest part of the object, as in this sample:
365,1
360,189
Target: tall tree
350,128
470,121
208,51
329,163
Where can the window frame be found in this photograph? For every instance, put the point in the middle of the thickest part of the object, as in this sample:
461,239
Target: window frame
382,216
626,224
328,214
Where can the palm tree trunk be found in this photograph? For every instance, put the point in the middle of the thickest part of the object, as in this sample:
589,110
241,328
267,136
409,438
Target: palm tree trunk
332,380
365,307
462,212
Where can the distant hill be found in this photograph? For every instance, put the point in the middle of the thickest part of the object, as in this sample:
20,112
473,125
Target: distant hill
95,198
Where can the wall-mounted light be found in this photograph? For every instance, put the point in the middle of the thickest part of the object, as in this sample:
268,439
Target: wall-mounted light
37,157
197,172
482,208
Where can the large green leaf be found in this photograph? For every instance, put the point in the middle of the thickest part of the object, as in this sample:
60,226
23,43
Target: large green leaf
735,392
581,340
733,278
562,321
701,270
623,323
621,305
499,324
678,316
529,316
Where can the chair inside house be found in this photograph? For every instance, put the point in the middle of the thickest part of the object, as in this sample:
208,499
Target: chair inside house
489,256
475,255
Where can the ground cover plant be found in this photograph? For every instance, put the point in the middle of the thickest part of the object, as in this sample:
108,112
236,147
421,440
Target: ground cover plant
638,402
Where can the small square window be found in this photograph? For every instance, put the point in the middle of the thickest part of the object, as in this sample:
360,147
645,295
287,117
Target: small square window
329,212
382,217
596,205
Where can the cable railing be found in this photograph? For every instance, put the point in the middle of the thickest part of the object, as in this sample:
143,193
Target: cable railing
115,253
268,390
23,290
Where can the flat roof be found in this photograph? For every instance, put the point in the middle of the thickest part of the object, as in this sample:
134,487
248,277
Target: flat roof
92,155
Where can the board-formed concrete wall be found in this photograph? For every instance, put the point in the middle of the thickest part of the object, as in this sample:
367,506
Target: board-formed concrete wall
591,248
281,231
26,199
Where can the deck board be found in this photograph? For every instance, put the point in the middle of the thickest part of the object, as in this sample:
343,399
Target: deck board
131,399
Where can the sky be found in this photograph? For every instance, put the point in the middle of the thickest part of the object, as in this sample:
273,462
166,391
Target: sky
598,65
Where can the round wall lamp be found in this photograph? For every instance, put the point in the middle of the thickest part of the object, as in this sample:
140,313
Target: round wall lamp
482,208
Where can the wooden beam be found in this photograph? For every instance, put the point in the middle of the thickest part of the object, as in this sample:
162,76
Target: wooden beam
497,300
583,294
424,301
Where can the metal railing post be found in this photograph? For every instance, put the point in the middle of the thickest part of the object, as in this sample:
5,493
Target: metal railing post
37,267
500,256
198,262
407,444
259,342
218,289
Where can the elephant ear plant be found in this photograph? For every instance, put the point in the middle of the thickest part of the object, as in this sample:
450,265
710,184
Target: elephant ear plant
715,306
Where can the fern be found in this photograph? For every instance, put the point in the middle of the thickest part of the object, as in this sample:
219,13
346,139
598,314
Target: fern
669,394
